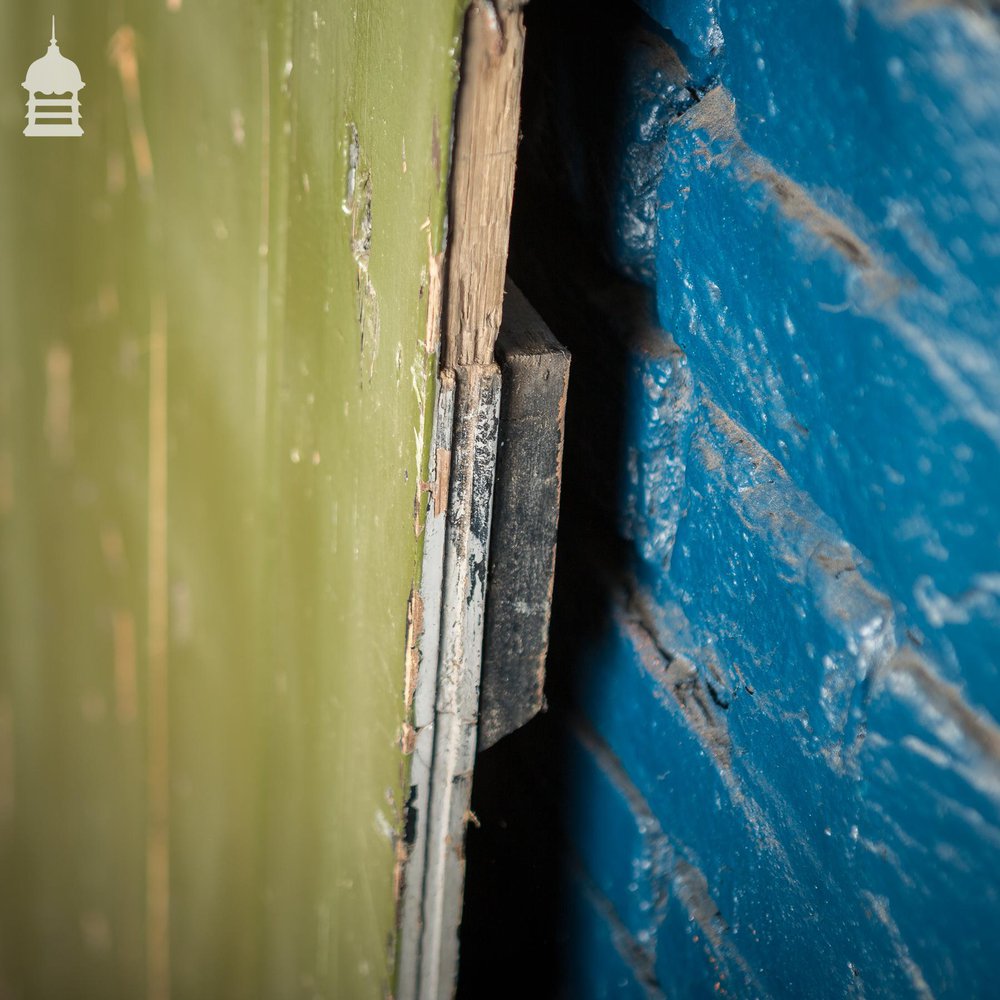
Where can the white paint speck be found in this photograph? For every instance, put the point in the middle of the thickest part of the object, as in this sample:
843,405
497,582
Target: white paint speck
383,825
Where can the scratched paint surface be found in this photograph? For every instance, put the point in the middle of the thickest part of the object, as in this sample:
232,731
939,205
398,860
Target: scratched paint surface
787,780
214,387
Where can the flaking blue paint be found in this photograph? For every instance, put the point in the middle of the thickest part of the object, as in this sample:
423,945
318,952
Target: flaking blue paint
800,683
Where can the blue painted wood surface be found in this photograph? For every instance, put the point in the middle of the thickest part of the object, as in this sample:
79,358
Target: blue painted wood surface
787,782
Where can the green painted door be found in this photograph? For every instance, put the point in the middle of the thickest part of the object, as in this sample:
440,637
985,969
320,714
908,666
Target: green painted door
218,333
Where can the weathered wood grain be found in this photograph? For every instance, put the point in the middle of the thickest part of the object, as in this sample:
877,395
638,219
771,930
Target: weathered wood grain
482,190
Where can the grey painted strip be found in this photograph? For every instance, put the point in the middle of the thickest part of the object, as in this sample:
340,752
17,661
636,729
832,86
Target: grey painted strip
425,691
473,462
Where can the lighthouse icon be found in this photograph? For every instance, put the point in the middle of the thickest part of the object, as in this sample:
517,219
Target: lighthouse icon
57,79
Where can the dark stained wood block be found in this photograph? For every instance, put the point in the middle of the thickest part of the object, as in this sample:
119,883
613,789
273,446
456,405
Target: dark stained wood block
535,372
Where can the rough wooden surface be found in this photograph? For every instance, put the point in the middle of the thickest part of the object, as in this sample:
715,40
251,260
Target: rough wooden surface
535,371
486,132
481,192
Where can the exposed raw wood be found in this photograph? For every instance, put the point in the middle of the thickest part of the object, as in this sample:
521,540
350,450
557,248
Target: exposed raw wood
535,372
457,544
482,186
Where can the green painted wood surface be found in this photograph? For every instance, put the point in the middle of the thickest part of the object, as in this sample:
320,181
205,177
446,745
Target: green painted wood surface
214,402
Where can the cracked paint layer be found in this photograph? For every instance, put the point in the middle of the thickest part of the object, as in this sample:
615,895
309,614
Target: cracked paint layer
798,675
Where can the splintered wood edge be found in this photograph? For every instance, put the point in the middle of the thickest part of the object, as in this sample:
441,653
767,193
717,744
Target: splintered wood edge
487,119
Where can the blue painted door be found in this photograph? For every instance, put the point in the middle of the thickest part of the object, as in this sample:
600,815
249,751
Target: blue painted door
778,625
